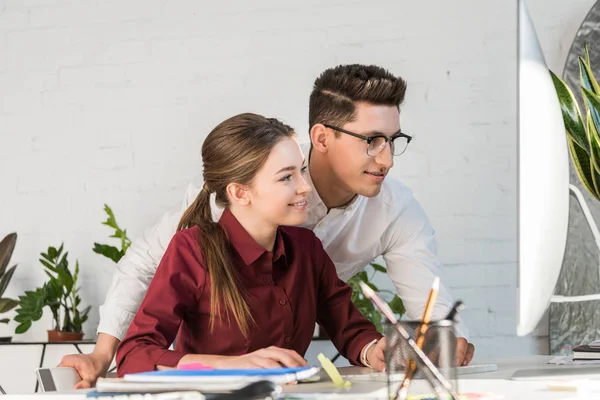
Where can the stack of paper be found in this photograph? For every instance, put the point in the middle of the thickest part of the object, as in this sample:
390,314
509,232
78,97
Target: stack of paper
213,380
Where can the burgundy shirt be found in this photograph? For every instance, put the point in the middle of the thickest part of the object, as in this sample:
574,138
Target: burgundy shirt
288,290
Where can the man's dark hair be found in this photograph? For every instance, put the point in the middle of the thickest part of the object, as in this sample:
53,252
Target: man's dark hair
337,89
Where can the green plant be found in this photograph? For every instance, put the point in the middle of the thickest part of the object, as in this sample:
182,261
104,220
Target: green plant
365,305
112,252
6,249
60,293
583,138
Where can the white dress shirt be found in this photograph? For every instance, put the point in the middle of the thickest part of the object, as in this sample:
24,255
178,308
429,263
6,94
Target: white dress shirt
391,224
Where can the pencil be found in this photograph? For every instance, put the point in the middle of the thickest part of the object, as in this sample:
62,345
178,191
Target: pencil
420,336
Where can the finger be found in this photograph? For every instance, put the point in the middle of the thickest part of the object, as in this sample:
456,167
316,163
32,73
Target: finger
469,354
282,356
299,359
461,350
265,362
82,385
378,363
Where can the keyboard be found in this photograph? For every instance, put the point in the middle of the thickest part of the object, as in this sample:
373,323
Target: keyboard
382,376
553,373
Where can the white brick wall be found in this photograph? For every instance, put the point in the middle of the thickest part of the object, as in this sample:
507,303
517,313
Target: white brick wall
108,102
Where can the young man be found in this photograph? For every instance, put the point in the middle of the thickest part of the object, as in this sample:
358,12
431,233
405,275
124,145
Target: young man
356,211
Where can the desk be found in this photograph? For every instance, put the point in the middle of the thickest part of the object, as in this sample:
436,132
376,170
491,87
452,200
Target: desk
44,344
491,382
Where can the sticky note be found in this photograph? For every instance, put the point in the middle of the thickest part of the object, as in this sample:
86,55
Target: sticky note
332,371
194,366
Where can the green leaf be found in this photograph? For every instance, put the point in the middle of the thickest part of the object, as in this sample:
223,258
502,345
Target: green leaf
594,104
588,82
108,251
7,246
583,167
22,318
378,267
24,327
363,276
587,76
7,304
60,250
586,52
52,253
571,113
595,147
4,281
372,286
111,221
63,263
397,305
48,265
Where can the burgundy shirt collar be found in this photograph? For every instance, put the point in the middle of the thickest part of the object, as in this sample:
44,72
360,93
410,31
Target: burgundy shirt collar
244,244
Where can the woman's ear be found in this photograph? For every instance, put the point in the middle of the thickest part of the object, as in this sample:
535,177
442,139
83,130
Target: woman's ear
319,136
238,194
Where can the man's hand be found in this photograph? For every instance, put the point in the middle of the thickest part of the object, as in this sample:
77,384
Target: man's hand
376,355
464,352
89,367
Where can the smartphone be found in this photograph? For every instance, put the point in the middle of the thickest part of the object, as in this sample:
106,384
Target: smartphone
57,379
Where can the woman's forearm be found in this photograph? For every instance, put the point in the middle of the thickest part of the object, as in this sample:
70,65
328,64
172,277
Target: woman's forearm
204,359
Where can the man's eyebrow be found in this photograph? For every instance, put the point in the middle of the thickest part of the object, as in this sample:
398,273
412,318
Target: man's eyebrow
377,133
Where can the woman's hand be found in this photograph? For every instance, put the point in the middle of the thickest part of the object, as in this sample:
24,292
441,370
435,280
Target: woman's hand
270,357
376,355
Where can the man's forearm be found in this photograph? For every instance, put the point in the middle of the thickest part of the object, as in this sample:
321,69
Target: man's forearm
105,349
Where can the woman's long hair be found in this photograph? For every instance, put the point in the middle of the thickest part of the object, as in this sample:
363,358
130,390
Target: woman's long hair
233,152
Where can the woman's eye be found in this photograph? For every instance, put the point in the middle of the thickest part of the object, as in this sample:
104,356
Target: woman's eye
286,178
303,170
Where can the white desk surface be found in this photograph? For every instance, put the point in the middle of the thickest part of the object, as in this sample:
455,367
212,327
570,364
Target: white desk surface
497,382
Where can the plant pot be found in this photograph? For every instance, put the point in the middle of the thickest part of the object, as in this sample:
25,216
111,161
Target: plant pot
59,336
6,339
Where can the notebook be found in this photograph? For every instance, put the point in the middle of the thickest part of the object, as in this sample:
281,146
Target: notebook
278,375
587,352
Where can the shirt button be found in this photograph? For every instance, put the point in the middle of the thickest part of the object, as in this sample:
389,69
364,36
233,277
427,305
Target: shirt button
288,339
282,302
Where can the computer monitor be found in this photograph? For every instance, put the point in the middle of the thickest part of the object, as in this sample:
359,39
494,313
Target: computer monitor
543,181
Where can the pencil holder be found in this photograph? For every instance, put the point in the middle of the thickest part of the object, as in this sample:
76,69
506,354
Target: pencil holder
438,344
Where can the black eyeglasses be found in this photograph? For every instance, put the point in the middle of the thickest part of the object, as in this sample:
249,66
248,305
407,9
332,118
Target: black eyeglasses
375,144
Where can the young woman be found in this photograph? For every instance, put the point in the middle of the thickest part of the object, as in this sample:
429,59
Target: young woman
246,291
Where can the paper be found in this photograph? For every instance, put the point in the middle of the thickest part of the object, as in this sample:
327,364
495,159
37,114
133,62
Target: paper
568,360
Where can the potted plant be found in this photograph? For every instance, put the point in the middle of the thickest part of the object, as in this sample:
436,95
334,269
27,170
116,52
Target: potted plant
583,136
6,249
365,305
108,251
60,294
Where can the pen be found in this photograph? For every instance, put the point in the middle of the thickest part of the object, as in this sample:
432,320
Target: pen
420,337
382,305
456,308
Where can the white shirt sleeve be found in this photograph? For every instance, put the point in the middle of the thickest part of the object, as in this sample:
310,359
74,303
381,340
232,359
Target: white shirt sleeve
136,269
412,263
